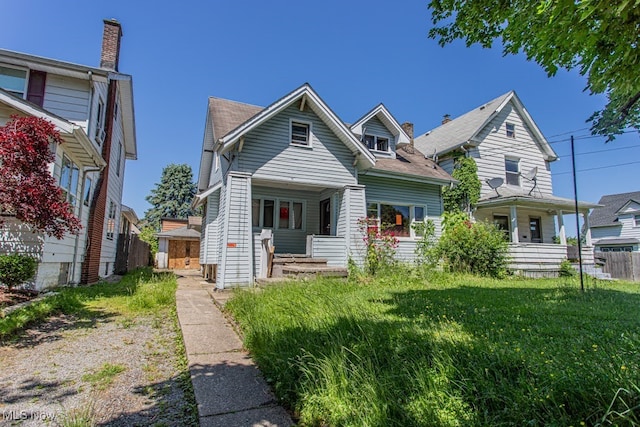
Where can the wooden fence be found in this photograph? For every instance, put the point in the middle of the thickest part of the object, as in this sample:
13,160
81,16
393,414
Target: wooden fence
621,265
131,253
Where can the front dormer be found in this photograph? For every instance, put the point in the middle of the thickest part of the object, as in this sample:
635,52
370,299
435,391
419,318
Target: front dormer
379,131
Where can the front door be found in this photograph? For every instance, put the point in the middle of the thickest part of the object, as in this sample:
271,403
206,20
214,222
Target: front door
534,229
325,217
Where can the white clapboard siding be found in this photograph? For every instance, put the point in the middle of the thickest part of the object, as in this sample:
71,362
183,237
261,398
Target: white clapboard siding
531,257
406,250
495,145
267,153
385,190
67,97
211,230
357,210
331,248
237,261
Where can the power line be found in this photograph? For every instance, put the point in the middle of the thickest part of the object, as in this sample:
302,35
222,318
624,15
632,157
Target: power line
602,151
566,133
596,168
589,137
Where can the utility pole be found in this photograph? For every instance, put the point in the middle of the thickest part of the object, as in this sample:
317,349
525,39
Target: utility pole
575,193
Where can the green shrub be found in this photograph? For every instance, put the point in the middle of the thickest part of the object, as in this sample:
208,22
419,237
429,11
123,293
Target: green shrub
426,247
566,269
476,248
16,269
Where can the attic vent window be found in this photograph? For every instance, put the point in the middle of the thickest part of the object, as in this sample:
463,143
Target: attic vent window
13,81
511,130
300,133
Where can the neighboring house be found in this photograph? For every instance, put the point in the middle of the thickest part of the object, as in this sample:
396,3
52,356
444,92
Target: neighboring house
179,243
93,109
513,159
295,177
615,226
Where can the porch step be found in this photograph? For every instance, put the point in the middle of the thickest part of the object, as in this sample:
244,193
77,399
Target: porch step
282,261
593,271
307,270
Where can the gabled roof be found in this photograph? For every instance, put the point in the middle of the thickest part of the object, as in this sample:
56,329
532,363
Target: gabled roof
387,119
606,215
410,163
465,129
77,143
310,98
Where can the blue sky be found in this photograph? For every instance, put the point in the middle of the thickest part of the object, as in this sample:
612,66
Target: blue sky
355,54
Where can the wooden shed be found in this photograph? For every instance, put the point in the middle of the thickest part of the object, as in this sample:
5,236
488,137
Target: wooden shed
179,244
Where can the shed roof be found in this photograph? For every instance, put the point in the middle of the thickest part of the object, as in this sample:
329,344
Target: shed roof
181,233
606,215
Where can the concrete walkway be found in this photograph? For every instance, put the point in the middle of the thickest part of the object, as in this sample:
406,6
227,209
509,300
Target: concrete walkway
229,389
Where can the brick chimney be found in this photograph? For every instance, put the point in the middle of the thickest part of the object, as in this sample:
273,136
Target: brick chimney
407,127
110,54
446,118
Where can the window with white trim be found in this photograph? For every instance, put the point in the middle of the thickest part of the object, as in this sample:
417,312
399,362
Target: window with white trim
14,81
289,214
636,220
99,130
512,170
300,133
86,197
111,220
397,218
69,176
376,143
510,129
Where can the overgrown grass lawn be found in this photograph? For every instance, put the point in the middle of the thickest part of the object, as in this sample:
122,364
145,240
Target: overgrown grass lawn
139,292
443,350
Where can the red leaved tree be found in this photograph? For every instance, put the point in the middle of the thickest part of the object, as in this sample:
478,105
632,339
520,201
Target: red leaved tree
27,188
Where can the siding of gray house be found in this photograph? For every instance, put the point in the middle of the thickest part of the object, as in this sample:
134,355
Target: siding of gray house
268,154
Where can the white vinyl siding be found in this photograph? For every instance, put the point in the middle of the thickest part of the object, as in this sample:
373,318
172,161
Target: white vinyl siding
67,98
268,154
495,146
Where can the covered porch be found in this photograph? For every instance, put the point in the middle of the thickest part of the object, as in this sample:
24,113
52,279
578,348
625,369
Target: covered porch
534,226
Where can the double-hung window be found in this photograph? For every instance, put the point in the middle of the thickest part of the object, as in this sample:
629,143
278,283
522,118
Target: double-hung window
510,129
396,219
636,220
512,170
300,133
278,213
111,220
69,180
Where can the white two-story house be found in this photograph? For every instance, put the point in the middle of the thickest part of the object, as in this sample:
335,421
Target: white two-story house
513,159
92,107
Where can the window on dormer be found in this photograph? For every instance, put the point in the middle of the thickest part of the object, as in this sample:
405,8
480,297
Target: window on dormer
511,130
376,143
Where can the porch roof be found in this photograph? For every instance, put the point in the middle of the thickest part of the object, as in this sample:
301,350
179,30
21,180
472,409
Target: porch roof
617,242
508,197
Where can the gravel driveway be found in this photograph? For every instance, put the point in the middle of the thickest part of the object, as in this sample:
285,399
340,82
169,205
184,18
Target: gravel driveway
113,371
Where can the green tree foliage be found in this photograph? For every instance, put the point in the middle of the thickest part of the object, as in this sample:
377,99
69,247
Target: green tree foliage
148,234
16,269
476,248
599,38
463,196
171,198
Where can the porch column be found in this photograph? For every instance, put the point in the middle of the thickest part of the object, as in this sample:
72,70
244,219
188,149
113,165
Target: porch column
561,230
514,225
587,228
